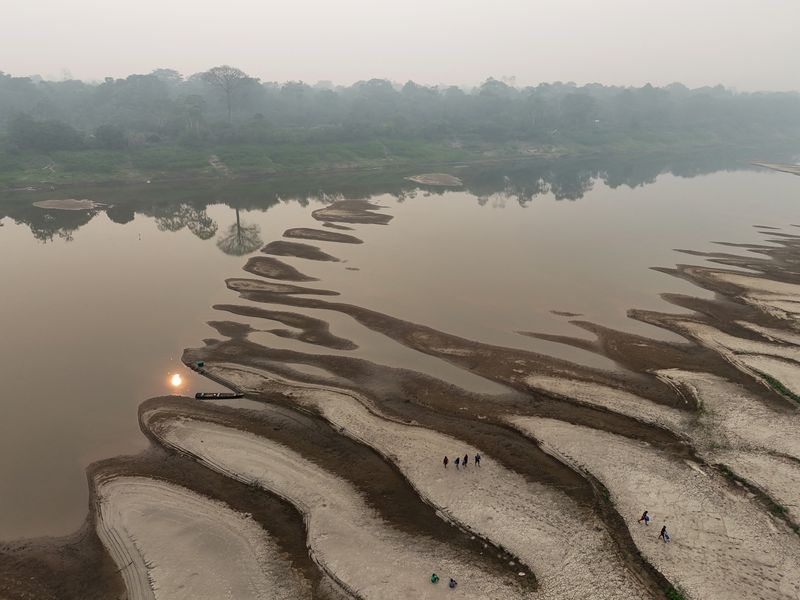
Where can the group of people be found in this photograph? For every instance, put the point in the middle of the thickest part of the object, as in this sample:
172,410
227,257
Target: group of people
462,462
663,535
451,584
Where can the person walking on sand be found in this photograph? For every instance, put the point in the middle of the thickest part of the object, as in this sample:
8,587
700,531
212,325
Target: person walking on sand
477,460
466,458
445,461
457,461
645,517
664,535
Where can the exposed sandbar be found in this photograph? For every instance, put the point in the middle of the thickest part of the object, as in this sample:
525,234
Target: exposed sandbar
266,266
69,204
536,522
345,535
312,331
352,211
723,544
305,233
170,542
437,179
257,285
296,249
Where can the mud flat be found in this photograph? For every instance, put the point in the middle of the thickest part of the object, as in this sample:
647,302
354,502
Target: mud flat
170,542
266,266
305,233
535,522
352,211
437,179
611,398
70,204
257,285
723,544
296,249
345,535
312,331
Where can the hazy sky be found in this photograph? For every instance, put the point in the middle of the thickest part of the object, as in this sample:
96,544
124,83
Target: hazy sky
740,43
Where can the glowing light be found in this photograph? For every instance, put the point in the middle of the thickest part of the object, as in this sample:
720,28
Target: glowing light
176,380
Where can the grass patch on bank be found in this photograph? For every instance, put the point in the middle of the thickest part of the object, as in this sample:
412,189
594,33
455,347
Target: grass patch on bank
778,386
674,594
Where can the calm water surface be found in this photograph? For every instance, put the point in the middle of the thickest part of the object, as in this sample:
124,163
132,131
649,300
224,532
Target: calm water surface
94,320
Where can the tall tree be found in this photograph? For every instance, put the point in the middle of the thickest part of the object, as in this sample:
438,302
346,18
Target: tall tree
227,79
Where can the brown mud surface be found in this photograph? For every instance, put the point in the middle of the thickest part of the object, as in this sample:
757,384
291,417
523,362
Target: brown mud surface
304,233
335,226
259,285
298,250
352,211
379,482
76,567
312,331
266,266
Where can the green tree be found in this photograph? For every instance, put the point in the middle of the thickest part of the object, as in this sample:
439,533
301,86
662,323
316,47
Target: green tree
227,80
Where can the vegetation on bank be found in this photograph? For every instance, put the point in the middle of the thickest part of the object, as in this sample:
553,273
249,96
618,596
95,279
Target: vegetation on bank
165,125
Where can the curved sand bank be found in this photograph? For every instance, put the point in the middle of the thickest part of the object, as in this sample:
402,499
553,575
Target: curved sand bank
320,235
535,522
776,298
345,535
266,266
723,545
170,542
352,211
69,204
611,398
311,330
437,179
257,285
298,250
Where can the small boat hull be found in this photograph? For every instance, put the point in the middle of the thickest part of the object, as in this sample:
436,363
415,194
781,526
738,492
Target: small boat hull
218,395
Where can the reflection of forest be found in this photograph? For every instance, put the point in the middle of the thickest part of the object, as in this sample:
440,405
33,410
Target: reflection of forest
178,206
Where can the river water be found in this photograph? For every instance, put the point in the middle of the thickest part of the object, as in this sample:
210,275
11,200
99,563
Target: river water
98,306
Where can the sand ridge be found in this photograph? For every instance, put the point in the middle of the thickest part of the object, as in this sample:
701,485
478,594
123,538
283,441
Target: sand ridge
535,522
723,545
345,536
170,542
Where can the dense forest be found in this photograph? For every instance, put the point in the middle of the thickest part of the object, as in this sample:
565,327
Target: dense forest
165,121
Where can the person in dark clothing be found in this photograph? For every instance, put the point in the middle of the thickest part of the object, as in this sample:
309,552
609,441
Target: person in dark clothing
453,583
645,517
457,461
477,460
466,459
664,535
445,461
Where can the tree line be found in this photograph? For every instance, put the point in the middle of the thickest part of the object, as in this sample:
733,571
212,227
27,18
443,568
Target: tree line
226,106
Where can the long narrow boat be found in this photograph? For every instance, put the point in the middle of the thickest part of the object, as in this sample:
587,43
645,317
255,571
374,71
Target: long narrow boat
218,395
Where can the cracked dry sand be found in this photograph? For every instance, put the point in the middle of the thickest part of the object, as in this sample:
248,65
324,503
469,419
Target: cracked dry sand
536,523
170,542
345,536
723,544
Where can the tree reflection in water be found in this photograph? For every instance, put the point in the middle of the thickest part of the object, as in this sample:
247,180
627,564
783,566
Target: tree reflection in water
240,239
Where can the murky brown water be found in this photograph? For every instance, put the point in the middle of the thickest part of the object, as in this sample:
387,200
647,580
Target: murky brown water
92,326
